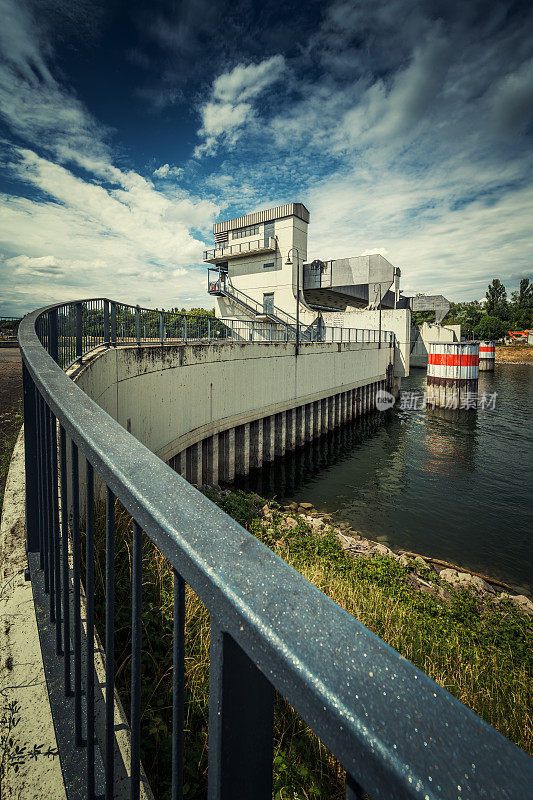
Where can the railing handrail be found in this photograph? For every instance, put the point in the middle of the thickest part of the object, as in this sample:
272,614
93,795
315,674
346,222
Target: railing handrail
238,247
395,731
284,316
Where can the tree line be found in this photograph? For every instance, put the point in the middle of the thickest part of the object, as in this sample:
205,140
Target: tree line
493,318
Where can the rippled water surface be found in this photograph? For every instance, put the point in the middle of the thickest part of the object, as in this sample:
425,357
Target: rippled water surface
456,486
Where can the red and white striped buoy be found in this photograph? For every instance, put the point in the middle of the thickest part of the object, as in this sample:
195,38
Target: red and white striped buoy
487,356
453,369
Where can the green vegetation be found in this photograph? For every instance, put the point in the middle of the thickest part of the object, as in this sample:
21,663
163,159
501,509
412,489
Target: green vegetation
492,319
481,652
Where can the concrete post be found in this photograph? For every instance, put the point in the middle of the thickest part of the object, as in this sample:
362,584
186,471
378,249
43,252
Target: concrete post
310,424
230,457
256,444
308,428
331,413
242,449
188,465
268,436
290,418
193,464
279,434
349,405
300,426
316,419
324,412
212,460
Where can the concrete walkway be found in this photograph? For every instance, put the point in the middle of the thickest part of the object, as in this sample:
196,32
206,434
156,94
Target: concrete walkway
34,771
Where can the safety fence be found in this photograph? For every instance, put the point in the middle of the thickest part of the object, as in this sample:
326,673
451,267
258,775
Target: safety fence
396,733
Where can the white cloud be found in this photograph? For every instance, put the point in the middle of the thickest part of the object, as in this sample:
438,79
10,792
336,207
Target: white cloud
229,109
166,171
76,233
244,83
439,246
39,266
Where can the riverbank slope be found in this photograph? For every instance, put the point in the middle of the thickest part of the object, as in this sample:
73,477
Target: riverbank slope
514,354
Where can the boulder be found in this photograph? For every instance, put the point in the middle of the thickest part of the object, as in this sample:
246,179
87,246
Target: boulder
290,523
520,600
306,506
383,550
464,579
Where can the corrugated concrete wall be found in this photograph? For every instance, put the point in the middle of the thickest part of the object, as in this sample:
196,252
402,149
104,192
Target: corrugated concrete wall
215,410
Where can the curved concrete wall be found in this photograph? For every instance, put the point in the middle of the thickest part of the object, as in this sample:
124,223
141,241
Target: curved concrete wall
211,410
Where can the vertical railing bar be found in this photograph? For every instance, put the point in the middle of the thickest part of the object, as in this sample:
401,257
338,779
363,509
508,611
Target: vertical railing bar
64,543
89,594
48,560
136,643
44,515
38,403
178,683
110,645
55,533
76,593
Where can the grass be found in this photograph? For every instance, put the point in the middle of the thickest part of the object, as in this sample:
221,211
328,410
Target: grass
479,652
10,423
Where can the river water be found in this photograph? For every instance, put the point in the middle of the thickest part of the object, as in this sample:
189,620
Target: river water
453,485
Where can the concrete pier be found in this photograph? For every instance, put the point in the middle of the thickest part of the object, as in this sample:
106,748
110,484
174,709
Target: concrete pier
453,371
487,356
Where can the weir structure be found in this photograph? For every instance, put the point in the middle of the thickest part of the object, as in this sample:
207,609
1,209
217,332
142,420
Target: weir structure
395,732
487,356
453,372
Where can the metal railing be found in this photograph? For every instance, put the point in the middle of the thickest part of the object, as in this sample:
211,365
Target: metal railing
308,333
82,327
396,732
255,331
224,250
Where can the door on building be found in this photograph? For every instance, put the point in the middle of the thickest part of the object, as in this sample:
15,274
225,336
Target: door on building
268,303
223,272
269,232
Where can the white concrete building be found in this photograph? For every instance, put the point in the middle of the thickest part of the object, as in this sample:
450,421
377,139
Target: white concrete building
259,268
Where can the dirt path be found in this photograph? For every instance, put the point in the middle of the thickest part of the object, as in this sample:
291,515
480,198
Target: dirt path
10,406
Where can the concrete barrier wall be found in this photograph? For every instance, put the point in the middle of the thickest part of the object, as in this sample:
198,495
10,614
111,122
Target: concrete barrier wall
215,410
397,320
423,335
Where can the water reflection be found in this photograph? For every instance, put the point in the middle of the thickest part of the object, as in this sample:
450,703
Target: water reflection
447,483
450,441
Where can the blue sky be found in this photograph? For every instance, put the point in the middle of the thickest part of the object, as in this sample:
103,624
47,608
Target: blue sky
127,129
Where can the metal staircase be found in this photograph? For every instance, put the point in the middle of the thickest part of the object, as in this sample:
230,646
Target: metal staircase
224,287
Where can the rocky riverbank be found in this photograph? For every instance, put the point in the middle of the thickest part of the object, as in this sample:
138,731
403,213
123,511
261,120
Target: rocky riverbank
426,575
